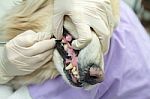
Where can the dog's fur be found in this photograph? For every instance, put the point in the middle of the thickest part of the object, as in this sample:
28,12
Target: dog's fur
33,15
36,15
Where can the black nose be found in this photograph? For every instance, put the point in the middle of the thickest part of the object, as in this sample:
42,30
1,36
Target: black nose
94,76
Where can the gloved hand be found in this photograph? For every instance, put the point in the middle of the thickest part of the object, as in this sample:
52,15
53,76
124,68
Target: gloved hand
26,53
85,14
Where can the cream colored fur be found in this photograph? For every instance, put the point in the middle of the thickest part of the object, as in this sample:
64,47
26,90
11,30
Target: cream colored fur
33,15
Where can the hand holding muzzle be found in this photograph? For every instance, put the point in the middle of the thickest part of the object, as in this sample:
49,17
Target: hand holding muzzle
27,52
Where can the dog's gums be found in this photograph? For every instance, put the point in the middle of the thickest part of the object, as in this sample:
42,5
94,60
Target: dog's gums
70,59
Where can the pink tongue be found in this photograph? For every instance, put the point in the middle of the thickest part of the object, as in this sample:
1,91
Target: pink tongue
74,61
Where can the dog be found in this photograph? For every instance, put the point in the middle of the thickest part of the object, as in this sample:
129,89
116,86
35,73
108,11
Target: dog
37,15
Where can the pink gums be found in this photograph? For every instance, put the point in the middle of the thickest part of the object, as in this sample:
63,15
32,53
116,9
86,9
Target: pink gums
74,59
70,51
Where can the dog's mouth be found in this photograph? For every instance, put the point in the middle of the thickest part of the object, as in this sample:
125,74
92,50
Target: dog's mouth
77,76
70,58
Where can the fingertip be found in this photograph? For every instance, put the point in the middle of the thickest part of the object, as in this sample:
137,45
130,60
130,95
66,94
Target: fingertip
79,44
58,36
53,40
76,45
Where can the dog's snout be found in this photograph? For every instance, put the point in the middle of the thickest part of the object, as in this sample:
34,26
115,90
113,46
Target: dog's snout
94,76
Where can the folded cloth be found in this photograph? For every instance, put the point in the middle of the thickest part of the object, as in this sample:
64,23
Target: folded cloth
127,67
21,93
5,91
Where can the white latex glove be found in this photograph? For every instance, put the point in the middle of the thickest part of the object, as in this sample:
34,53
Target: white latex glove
85,14
26,53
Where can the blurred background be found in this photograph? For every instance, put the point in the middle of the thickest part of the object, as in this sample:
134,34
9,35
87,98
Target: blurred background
142,9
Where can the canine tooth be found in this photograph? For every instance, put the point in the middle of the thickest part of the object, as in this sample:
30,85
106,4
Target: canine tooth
70,66
63,41
65,47
77,76
73,70
75,73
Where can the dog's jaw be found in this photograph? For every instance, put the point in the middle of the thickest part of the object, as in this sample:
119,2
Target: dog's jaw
90,54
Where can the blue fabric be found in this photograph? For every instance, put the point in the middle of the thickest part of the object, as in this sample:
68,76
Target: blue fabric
127,67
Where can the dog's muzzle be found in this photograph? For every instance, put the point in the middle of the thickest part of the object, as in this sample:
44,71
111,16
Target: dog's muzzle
76,75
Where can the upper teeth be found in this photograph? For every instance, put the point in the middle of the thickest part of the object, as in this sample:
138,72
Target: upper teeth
75,72
70,66
65,47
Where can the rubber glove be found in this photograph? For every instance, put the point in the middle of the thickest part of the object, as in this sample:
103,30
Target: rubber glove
85,14
25,53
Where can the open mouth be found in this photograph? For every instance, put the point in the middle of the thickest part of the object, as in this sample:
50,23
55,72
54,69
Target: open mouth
70,58
79,69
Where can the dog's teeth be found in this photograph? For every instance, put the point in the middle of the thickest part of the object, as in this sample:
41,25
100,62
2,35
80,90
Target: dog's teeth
77,76
73,70
75,73
65,47
63,41
70,66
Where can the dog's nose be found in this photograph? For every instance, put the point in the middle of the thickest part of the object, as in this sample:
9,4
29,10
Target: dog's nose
94,76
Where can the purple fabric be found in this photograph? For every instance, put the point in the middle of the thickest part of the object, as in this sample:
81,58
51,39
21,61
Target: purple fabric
127,67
